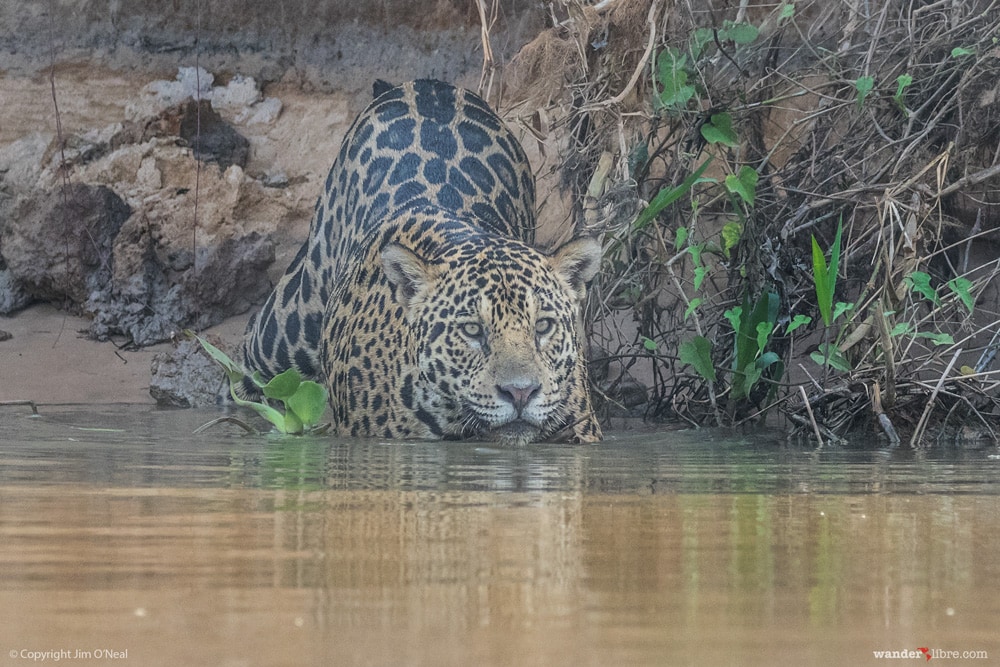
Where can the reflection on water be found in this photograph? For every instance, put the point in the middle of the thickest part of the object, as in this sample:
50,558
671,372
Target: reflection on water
123,531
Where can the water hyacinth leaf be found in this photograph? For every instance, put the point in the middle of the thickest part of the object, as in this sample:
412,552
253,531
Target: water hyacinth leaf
786,12
719,130
962,288
266,411
283,385
697,353
308,402
233,371
961,52
648,344
291,423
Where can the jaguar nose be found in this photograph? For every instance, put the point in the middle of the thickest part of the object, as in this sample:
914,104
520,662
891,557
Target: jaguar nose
518,394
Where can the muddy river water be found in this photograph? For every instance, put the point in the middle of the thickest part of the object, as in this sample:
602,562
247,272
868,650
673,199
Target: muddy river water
126,540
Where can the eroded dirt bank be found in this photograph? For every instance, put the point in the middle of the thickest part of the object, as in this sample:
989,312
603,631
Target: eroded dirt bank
99,100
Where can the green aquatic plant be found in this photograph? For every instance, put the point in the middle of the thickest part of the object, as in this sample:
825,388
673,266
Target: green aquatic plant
825,283
304,401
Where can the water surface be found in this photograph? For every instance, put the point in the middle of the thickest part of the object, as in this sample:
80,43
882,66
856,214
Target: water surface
120,531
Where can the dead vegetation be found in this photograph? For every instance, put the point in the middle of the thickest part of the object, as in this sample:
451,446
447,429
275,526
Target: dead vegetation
799,204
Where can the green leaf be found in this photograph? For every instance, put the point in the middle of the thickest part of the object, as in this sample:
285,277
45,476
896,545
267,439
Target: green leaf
649,344
266,411
797,321
743,184
961,52
903,81
900,329
936,338
786,12
731,233
824,294
695,252
831,356
699,39
719,130
825,277
751,374
637,159
764,330
864,86
292,424
920,283
697,352
840,308
308,403
962,288
283,385
673,78
742,33
667,196
680,238
691,307
767,359
233,371
258,379
733,315
699,276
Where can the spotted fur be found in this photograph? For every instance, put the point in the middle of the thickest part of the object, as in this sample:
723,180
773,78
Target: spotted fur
418,298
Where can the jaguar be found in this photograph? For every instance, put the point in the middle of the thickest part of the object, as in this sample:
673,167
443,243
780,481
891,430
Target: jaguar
419,298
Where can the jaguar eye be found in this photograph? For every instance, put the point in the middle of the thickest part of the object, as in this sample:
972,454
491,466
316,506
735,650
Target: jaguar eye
544,326
471,329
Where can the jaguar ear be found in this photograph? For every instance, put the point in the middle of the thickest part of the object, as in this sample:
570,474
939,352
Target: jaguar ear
407,272
578,262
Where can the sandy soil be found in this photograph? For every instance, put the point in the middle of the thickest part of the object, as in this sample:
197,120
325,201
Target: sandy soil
47,360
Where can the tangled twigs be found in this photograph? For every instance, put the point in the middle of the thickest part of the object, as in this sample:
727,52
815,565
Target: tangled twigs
712,279
487,17
654,9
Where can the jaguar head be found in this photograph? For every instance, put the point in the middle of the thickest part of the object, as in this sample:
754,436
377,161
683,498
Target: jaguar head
496,325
